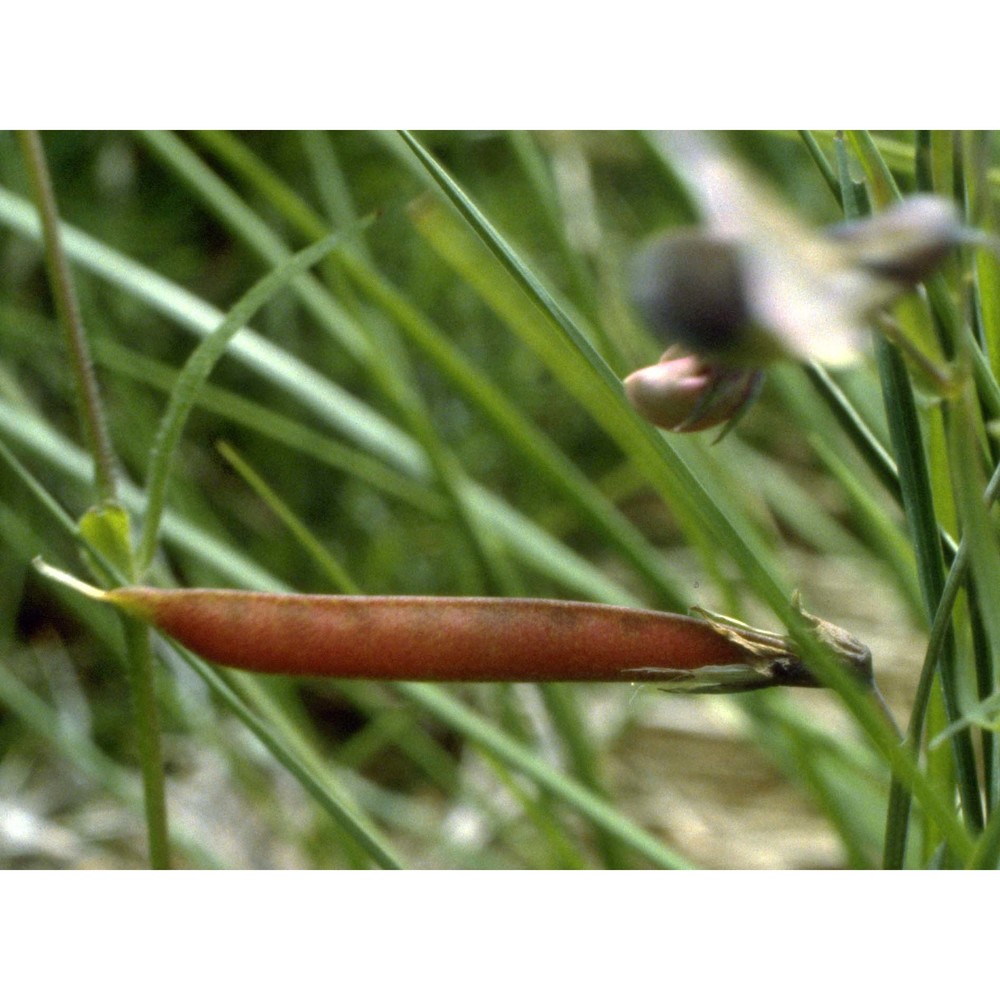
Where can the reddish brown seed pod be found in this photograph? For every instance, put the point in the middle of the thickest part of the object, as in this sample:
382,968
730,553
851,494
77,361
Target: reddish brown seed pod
428,638
459,638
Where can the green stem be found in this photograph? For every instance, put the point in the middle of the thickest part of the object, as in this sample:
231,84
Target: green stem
61,282
138,642
851,422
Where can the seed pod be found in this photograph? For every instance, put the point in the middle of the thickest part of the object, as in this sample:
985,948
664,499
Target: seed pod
466,638
427,638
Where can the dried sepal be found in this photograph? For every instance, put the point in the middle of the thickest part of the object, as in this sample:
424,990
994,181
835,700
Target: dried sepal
770,659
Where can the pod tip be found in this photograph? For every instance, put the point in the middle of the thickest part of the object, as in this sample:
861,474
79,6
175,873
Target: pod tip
68,580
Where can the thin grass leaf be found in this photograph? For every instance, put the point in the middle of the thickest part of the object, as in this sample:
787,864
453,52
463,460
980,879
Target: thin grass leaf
977,528
853,424
535,167
882,533
433,699
537,807
846,784
564,710
987,853
196,372
237,216
321,556
823,164
332,185
981,211
275,426
978,548
258,711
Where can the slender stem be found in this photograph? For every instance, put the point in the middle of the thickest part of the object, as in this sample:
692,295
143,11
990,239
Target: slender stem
984,665
63,292
138,641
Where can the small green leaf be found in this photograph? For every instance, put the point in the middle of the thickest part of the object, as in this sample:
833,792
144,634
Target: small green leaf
106,527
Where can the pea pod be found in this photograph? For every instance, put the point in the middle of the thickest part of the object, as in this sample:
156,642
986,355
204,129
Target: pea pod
470,638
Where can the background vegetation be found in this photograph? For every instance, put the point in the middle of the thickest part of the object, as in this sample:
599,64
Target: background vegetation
435,409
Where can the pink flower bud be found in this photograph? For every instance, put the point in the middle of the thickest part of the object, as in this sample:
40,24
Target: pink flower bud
685,393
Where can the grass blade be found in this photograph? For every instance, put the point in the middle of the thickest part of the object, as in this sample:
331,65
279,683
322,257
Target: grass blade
196,373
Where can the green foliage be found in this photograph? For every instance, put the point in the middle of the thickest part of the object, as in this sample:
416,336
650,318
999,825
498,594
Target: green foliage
430,402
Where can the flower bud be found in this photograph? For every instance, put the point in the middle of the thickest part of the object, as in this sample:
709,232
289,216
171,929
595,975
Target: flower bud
685,393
